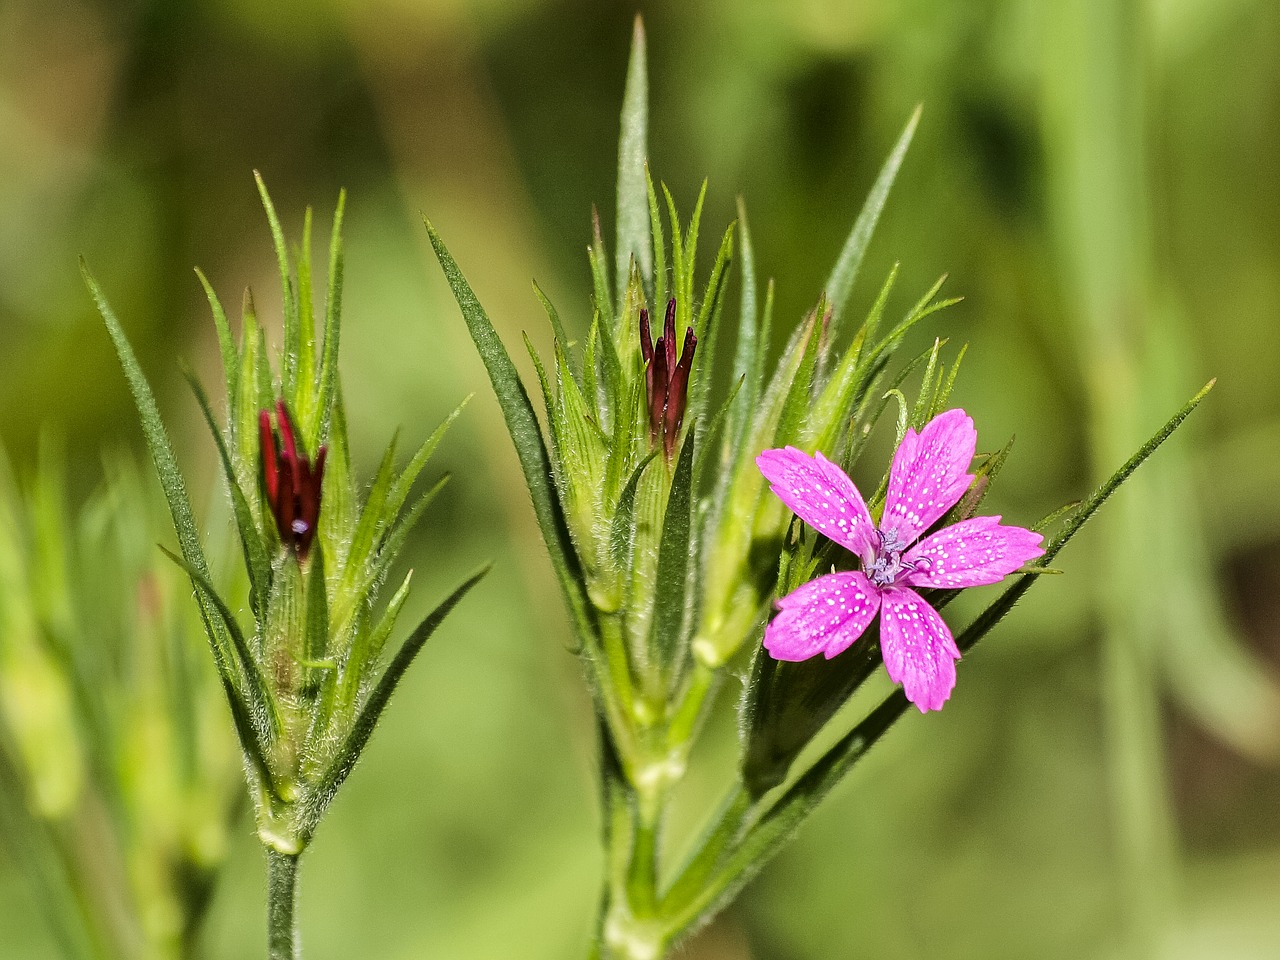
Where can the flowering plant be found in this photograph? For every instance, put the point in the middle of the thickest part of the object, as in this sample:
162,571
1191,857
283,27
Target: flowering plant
307,685
668,551
928,477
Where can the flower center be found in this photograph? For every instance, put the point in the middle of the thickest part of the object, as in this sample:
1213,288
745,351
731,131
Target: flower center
887,566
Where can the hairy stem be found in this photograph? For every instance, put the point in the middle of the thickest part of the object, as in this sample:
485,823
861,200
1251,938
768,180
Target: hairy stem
282,886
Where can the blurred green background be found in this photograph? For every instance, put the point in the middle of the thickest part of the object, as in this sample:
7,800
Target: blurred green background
1098,177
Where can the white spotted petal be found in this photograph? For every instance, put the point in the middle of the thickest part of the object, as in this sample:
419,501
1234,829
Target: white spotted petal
918,649
820,494
971,553
929,474
824,616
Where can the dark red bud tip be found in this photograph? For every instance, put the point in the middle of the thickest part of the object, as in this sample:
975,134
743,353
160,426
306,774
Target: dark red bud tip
270,457
291,483
646,338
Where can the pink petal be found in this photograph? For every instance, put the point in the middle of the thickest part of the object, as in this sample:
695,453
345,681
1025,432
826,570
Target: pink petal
825,615
918,649
971,553
929,474
820,494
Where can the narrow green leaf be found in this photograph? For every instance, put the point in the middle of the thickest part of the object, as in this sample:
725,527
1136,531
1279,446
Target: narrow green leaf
795,408
381,632
404,483
289,373
633,149
671,586
691,247
944,394
522,424
598,258
864,423
744,355
678,264
255,551
372,519
706,326
707,452
226,345
332,328
928,387
353,745
394,542
557,328
306,331
166,463
840,283
659,245
832,410
264,712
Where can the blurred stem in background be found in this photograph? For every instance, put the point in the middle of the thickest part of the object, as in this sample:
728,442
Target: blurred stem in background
117,777
1162,621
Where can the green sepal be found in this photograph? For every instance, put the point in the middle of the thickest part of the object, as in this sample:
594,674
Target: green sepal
747,347
304,397
245,404
685,295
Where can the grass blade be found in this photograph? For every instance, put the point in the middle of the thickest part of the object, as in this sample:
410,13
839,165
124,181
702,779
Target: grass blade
840,283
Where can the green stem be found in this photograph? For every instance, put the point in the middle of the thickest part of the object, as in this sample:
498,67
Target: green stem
709,852
282,887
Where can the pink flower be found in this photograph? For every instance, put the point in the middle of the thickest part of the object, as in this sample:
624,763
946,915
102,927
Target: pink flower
828,614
